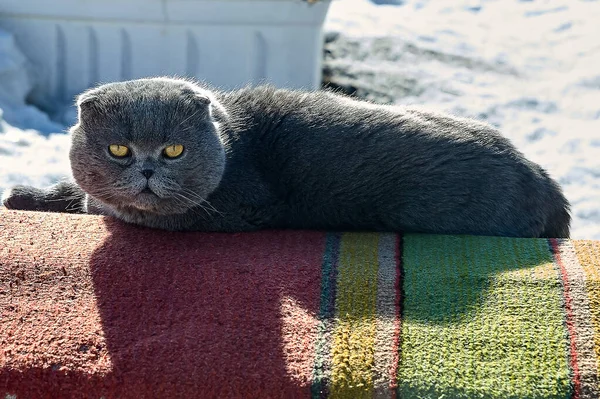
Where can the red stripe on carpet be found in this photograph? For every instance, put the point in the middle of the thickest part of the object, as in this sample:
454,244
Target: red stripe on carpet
576,378
398,314
105,309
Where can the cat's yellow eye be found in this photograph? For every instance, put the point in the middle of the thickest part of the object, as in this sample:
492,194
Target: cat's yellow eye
119,151
173,151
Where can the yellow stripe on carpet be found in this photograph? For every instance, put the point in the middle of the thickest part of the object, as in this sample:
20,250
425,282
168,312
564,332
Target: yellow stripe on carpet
588,253
354,334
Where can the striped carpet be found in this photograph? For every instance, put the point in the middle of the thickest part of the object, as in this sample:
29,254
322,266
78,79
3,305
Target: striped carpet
93,308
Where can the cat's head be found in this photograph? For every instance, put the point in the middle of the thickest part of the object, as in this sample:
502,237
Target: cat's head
148,144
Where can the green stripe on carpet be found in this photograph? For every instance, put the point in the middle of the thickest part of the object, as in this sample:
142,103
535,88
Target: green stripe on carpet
482,317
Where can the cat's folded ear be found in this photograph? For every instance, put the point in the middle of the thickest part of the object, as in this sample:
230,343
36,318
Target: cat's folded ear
87,101
201,99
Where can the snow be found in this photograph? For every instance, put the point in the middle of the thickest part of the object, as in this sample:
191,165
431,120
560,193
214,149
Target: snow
27,156
528,67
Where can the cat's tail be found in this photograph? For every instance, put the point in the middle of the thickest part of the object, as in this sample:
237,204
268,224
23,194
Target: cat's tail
559,219
558,225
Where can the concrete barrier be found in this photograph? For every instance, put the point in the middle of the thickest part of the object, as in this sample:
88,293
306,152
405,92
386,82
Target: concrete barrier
75,44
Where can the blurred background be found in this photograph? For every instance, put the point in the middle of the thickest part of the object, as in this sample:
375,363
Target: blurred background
528,67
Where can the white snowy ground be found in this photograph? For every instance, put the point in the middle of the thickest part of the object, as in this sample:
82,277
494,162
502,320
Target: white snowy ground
531,68
27,156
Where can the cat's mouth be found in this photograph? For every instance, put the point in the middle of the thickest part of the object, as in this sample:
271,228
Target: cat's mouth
146,199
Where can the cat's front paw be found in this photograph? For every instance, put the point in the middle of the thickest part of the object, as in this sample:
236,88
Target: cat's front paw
25,198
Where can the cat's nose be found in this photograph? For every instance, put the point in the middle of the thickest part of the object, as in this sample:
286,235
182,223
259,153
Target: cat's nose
147,173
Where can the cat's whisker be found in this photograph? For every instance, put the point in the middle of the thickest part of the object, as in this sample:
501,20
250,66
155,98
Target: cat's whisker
185,202
198,204
196,210
104,195
191,201
78,206
187,119
187,129
202,200
193,195
213,208
62,199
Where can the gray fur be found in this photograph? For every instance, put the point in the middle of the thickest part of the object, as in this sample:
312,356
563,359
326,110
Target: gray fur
272,158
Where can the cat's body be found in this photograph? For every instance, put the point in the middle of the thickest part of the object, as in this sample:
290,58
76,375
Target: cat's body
268,158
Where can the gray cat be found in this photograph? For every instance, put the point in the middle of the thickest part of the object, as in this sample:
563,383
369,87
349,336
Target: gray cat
171,154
